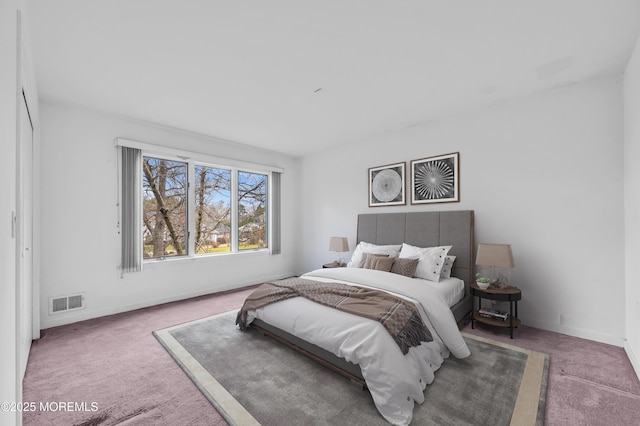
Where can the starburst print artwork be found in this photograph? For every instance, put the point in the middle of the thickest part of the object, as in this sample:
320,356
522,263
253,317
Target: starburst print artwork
435,179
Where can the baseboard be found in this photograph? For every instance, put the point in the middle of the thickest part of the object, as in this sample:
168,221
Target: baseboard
83,315
633,357
577,332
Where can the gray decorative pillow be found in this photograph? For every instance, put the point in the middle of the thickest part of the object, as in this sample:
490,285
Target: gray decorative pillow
382,263
370,258
406,267
357,259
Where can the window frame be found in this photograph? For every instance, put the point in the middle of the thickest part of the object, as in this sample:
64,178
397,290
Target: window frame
192,190
235,166
188,218
237,209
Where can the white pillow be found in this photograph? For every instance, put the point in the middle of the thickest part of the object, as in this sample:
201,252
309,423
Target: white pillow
448,265
431,260
357,259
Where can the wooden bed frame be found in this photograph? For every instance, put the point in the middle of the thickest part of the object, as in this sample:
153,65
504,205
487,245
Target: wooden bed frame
421,229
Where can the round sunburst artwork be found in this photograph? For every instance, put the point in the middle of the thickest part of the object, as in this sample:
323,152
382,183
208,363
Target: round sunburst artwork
435,180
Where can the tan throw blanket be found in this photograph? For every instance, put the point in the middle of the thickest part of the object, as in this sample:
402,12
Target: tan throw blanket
400,317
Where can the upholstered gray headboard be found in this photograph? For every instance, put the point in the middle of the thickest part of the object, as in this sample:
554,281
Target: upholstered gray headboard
425,229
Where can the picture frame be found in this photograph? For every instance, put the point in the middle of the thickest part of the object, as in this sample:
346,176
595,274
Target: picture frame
436,179
387,185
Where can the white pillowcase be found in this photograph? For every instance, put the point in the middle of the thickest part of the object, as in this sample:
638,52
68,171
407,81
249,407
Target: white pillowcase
431,260
448,265
357,259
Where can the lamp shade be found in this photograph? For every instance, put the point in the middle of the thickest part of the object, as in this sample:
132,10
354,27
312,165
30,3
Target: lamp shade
498,255
339,244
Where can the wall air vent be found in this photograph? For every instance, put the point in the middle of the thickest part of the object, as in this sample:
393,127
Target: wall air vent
66,303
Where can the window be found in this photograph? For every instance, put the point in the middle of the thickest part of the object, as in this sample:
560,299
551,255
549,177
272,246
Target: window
252,212
173,205
213,210
164,208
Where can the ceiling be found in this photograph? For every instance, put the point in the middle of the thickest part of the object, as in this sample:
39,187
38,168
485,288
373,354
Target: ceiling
298,76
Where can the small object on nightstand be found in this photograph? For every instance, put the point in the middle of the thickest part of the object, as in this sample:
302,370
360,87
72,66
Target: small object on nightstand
482,282
492,317
334,265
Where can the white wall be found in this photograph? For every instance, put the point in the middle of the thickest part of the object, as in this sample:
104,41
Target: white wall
80,245
543,174
632,205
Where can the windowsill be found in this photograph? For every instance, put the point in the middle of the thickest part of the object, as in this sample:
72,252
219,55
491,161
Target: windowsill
181,259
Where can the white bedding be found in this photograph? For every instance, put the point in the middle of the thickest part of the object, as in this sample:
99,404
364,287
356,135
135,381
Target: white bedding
450,289
396,381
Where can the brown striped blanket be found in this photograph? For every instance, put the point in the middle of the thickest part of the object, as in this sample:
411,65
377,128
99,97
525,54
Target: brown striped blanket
400,317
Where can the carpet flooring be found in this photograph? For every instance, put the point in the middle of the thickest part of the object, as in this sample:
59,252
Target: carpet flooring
590,383
275,385
116,362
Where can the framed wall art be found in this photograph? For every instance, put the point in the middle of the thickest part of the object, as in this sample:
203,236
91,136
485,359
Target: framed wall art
387,185
435,179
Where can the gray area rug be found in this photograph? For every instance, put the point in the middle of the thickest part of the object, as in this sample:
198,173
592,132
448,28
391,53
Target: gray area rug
252,379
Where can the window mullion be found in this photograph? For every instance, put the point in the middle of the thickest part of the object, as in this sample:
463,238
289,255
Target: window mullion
191,200
235,211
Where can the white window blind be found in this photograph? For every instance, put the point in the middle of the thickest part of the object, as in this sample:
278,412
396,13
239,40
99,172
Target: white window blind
130,212
275,212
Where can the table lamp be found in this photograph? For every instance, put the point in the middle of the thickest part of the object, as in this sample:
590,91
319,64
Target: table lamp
340,245
496,256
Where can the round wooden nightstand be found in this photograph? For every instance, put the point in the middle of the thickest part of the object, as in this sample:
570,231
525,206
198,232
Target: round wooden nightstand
334,265
506,294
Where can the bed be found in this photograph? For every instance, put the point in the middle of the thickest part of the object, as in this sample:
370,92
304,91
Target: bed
361,349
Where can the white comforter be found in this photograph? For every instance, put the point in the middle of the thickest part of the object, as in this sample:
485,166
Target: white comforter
396,381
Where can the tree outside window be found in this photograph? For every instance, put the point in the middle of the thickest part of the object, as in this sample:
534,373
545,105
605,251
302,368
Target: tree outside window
164,187
166,207
212,210
252,203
